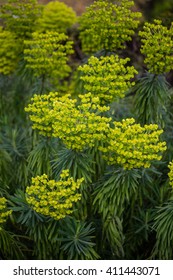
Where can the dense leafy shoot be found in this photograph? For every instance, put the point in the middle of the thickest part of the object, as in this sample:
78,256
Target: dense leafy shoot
76,238
151,91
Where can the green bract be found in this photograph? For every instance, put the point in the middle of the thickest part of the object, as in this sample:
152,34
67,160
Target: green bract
107,26
107,77
20,16
78,126
157,46
133,146
51,198
9,52
56,16
47,54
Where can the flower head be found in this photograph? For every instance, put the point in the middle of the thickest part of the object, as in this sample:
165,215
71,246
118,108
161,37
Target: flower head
4,213
107,26
132,146
51,198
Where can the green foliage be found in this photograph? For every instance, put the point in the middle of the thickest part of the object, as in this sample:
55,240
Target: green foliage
17,143
100,77
151,91
5,164
114,190
107,26
20,16
10,246
163,226
79,164
76,240
56,16
40,156
157,46
42,232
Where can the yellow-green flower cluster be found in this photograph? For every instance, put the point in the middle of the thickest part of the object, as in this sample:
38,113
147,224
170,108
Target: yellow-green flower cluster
157,46
107,26
40,110
56,16
170,174
107,77
9,51
4,213
20,16
79,126
47,54
51,198
132,146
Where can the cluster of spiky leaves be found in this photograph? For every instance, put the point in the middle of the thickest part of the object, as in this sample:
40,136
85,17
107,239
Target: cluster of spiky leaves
132,146
116,188
107,25
20,16
47,54
9,52
79,126
151,91
164,231
4,212
82,233
107,77
56,16
157,46
51,198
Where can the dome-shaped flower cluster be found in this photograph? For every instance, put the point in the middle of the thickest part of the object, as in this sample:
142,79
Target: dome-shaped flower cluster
78,125
157,46
47,54
132,146
9,52
51,198
107,77
107,26
170,174
40,110
56,16
4,213
20,16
